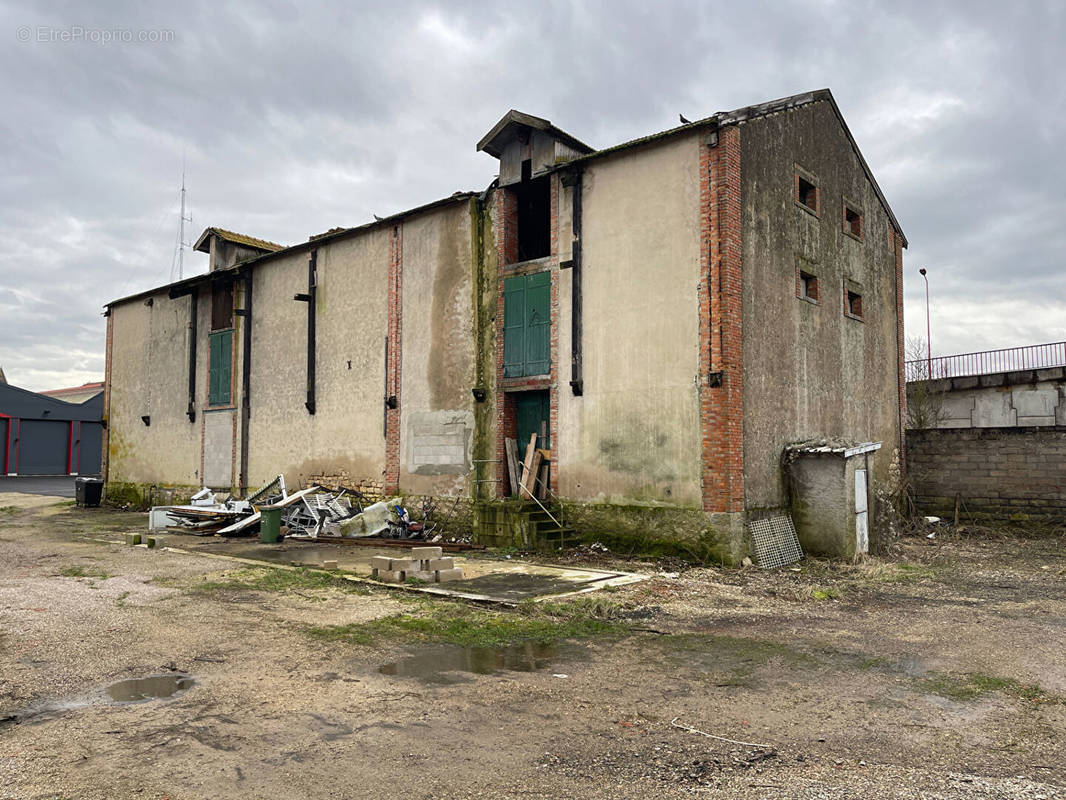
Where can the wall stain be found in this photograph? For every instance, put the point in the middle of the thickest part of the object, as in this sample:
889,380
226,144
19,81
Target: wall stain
446,372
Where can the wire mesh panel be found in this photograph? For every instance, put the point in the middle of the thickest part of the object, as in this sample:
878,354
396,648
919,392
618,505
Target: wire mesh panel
776,543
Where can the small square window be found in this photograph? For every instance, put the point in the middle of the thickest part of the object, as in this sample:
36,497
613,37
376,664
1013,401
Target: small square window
806,193
853,304
807,286
852,221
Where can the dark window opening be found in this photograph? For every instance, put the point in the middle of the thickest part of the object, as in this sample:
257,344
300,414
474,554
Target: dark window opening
807,193
534,215
853,304
852,222
221,306
808,286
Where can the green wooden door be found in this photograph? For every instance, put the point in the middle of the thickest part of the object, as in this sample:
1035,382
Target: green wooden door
527,325
532,415
220,368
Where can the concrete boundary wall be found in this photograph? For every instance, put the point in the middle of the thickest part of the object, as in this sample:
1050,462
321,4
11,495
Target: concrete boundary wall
1023,398
1009,474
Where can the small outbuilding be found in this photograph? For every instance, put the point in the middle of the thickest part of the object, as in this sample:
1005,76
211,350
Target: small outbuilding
830,494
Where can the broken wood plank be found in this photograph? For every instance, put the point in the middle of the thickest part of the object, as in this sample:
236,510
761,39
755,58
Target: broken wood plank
511,447
542,478
295,497
525,480
369,541
529,479
240,525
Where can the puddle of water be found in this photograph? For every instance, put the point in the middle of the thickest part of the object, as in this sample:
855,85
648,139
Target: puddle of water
440,664
150,688
136,690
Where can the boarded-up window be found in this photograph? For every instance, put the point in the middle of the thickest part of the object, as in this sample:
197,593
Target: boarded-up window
527,325
221,368
221,306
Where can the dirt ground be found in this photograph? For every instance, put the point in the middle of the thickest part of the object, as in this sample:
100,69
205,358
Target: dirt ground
938,674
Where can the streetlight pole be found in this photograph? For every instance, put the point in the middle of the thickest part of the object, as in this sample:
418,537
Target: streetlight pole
928,336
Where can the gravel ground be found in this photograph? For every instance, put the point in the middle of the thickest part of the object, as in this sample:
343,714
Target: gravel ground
937,674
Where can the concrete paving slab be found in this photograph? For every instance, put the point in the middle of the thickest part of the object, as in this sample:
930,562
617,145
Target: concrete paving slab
485,578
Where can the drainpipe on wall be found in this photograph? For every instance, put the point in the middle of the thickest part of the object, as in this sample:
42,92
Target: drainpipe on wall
309,298
246,378
194,302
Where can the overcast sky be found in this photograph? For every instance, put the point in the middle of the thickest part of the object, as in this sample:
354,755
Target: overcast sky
295,117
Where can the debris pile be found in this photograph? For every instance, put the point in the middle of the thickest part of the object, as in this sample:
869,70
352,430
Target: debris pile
426,564
311,513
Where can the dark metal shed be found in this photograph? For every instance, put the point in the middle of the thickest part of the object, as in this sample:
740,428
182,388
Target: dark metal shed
40,435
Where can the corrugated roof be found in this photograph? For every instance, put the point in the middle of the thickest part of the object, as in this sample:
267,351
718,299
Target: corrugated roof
236,238
749,113
72,389
337,233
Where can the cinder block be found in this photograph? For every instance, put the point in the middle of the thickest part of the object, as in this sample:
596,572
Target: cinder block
440,563
426,552
380,562
329,565
404,564
151,541
449,575
390,576
429,576
133,538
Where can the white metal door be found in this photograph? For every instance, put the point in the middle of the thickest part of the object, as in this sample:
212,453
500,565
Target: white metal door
862,529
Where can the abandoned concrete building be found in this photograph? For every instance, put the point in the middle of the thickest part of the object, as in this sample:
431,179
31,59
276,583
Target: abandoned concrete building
669,315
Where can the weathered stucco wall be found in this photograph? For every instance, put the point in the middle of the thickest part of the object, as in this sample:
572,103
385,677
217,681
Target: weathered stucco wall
149,377
436,404
634,435
345,433
809,370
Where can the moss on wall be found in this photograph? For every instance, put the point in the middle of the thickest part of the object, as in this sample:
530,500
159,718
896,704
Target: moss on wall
145,495
658,531
640,530
484,287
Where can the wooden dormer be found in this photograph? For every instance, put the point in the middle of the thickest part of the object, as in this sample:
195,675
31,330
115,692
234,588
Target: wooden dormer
519,137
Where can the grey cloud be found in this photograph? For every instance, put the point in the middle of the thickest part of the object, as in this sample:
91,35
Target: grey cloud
297,117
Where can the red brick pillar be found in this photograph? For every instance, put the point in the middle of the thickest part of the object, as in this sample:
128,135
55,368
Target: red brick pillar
721,344
105,448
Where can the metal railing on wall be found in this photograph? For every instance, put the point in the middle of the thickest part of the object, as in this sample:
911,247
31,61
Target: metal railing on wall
1033,356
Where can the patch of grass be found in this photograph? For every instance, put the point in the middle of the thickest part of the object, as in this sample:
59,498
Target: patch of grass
466,626
267,579
120,601
733,661
907,572
82,572
971,685
873,662
827,593
65,504
9,509
738,649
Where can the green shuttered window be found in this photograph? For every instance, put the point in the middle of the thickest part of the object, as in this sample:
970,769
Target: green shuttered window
527,325
221,344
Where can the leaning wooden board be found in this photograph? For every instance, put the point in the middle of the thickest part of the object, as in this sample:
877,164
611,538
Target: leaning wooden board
531,452
511,448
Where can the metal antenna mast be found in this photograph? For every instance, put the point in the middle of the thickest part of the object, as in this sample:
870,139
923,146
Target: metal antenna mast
182,244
